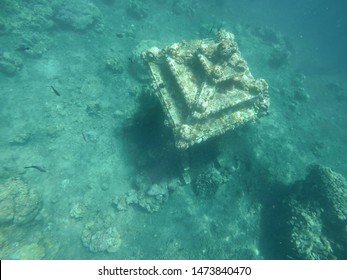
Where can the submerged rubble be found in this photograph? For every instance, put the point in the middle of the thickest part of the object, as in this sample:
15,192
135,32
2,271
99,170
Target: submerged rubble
149,197
206,184
99,236
205,88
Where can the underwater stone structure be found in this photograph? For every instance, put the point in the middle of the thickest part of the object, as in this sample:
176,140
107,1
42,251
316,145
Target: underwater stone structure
205,88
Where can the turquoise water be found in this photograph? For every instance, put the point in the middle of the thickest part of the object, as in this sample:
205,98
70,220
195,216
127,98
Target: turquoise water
89,170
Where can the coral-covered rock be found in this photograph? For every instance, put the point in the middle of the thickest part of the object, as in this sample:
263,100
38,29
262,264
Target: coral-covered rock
278,57
137,9
114,63
31,251
19,204
149,197
206,184
78,15
137,66
100,236
317,216
331,190
10,63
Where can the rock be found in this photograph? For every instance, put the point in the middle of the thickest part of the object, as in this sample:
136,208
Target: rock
121,202
10,64
29,252
158,191
316,217
137,9
137,66
21,138
148,197
331,192
100,236
78,210
18,203
206,184
114,64
279,57
78,15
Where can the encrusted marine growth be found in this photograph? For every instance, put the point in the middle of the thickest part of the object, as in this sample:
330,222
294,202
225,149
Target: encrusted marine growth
207,183
205,88
317,216
101,236
19,204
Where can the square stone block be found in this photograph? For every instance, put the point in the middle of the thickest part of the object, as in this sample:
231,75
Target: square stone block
205,88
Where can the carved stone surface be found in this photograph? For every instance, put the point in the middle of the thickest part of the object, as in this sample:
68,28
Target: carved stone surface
205,88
